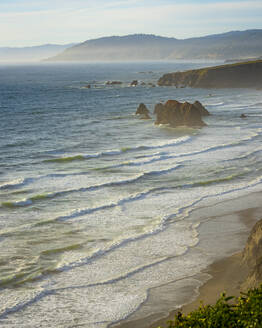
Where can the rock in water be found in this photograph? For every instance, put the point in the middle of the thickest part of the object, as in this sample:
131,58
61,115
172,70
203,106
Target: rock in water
113,82
203,110
176,114
143,111
158,108
152,85
134,83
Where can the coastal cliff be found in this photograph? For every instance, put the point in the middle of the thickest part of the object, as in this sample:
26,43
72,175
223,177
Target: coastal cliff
239,75
252,256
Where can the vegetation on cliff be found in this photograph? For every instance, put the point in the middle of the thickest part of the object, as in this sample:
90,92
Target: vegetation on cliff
238,75
229,312
246,312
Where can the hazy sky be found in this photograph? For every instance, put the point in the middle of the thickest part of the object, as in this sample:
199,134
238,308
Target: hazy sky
34,22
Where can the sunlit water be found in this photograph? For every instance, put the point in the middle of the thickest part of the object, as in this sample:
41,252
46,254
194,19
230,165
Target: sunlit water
96,204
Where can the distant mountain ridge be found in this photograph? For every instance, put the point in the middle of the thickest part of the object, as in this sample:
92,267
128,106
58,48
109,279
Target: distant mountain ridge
136,47
234,44
31,54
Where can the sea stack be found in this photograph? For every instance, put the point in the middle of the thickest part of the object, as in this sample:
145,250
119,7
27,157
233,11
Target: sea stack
143,111
176,114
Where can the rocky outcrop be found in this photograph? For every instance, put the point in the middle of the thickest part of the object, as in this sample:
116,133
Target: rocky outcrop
151,85
176,114
113,82
240,75
143,111
134,83
252,256
202,109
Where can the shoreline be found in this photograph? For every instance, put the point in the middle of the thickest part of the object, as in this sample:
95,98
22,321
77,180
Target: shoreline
224,275
227,275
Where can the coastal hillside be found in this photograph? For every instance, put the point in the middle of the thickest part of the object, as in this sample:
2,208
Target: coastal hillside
238,75
236,44
130,47
29,54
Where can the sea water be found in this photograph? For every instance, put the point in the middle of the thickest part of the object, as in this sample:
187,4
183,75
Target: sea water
99,209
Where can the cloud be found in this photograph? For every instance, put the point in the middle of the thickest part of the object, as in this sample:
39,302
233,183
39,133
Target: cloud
66,21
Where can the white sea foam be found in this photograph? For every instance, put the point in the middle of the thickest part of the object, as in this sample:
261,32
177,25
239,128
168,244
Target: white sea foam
113,200
13,183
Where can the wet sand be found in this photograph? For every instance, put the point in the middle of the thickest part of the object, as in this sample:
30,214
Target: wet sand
225,275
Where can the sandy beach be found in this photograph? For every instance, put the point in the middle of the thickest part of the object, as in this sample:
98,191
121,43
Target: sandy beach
225,275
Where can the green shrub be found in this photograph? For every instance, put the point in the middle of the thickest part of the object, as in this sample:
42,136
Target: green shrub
245,312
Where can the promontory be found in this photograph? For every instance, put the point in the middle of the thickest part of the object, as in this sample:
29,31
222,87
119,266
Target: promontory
238,75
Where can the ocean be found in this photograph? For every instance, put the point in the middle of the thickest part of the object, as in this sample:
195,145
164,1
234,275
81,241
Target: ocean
104,216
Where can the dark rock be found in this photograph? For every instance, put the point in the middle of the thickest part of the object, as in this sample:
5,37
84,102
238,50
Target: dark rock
158,108
202,109
151,85
243,116
143,111
134,83
113,82
176,114
88,86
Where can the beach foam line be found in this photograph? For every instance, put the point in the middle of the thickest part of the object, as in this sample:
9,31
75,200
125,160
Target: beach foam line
21,203
256,104
100,253
138,196
30,200
81,157
25,303
120,202
25,181
246,155
166,156
251,137
19,306
214,181
15,183
179,214
221,103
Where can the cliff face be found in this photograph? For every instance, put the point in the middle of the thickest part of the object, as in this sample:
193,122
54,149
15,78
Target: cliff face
240,75
252,256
